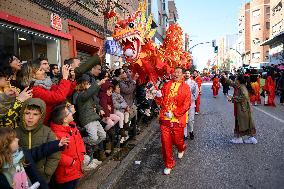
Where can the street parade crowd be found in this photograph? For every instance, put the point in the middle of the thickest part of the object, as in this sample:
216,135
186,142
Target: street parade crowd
57,123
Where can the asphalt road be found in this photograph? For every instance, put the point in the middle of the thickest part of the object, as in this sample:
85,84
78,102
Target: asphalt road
210,161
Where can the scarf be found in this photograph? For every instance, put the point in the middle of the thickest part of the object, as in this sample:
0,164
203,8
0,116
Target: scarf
16,157
46,83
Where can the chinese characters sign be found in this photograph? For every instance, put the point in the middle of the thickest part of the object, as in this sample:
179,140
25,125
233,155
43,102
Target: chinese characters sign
55,22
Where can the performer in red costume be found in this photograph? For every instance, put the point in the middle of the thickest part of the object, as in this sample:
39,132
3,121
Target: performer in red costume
174,99
215,86
198,80
269,88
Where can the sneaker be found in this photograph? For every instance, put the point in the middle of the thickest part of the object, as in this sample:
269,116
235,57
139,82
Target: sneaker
167,171
122,140
87,160
96,161
250,140
185,138
237,140
196,113
91,166
180,154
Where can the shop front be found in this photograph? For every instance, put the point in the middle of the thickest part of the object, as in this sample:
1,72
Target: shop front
29,40
85,42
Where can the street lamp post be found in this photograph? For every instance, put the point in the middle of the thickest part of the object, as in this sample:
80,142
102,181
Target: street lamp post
239,54
197,45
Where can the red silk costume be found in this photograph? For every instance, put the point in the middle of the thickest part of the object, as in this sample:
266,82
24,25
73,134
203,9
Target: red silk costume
256,96
198,80
215,86
269,87
176,98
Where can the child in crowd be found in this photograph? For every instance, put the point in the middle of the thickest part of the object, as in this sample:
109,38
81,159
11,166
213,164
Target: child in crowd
17,167
33,133
106,102
10,99
89,113
121,109
69,169
109,118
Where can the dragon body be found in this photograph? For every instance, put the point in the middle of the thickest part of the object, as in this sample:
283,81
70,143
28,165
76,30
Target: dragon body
143,56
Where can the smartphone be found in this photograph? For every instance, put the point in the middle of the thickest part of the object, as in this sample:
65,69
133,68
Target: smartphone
31,85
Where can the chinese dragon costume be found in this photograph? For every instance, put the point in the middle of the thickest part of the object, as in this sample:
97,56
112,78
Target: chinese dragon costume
134,35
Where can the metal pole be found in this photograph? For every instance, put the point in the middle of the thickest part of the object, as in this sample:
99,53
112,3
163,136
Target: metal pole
198,44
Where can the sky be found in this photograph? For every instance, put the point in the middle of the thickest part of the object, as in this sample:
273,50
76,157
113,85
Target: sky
207,20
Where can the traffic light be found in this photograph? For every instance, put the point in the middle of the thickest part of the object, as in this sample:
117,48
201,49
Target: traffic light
216,49
213,43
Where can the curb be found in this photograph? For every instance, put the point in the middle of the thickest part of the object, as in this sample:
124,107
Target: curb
118,172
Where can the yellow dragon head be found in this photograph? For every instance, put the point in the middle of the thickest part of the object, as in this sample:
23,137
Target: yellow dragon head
132,32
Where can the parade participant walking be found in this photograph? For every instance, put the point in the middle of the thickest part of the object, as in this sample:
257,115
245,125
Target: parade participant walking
215,86
225,85
269,88
194,93
255,94
198,80
244,123
174,99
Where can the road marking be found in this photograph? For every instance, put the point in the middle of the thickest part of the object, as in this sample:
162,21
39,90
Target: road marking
281,120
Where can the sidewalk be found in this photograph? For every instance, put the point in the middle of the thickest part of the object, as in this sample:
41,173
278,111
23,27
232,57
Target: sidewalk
106,175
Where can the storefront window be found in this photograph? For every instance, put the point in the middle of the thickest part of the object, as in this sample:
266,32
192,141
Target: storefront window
25,50
6,40
28,45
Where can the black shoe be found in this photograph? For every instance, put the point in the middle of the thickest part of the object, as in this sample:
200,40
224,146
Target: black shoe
185,138
191,135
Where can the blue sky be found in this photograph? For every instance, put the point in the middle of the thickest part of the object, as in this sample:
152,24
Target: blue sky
205,20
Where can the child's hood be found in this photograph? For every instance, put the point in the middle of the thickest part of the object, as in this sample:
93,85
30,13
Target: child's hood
37,102
106,86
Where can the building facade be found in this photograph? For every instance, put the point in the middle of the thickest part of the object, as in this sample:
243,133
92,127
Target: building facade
254,28
276,39
57,29
173,14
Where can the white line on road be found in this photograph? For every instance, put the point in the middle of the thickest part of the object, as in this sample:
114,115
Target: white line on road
281,120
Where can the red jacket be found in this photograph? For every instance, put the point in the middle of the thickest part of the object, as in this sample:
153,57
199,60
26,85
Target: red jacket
198,80
55,96
182,102
75,151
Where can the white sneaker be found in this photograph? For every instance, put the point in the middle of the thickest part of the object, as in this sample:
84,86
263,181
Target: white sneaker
250,140
91,166
87,160
122,140
196,113
96,161
167,171
180,154
237,140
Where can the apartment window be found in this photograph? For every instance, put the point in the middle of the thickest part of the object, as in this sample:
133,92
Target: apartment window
267,10
256,27
277,28
267,55
268,25
256,41
256,13
256,55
